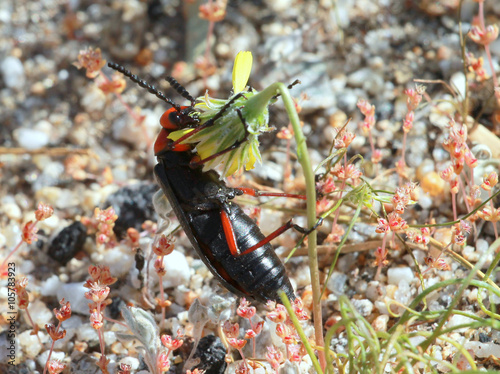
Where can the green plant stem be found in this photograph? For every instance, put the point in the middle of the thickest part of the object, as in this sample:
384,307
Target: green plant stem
305,162
300,331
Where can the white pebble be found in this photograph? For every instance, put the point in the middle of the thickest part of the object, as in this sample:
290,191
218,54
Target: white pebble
132,361
457,320
12,211
482,245
31,139
459,82
94,99
403,293
397,274
75,294
483,349
119,259
13,72
29,344
56,355
337,282
57,197
177,268
364,306
39,313
87,334
50,286
381,307
374,290
26,267
180,293
280,5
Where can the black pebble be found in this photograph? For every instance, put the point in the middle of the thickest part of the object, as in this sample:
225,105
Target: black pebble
133,205
211,353
483,338
68,243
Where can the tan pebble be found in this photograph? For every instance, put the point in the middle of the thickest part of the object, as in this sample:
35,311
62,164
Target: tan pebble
338,119
433,184
391,290
380,323
443,235
38,89
444,53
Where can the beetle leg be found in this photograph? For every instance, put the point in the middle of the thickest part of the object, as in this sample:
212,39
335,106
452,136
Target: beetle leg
290,86
231,238
281,230
229,233
209,123
257,193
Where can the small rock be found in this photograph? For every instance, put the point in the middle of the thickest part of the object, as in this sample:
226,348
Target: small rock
119,259
177,268
13,72
50,286
75,294
83,363
364,306
459,82
57,197
403,293
457,320
133,204
380,323
337,282
42,358
210,352
87,334
367,79
397,274
29,344
31,139
94,99
374,290
68,243
39,313
12,211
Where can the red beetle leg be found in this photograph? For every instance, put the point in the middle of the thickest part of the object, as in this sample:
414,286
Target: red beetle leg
229,233
257,193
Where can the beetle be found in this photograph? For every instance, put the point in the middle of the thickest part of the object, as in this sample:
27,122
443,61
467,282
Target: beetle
227,240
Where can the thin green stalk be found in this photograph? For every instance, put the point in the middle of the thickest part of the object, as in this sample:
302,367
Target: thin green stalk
303,157
300,331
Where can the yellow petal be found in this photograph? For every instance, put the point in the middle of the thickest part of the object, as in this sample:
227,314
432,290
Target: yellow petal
241,70
179,134
233,168
250,164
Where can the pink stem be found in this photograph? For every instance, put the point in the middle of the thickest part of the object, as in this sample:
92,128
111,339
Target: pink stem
379,269
486,46
51,349
33,325
114,321
17,246
493,222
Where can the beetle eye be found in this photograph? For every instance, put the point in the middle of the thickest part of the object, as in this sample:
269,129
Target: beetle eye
175,119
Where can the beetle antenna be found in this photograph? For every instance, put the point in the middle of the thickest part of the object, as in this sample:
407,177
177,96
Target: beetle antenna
180,89
151,89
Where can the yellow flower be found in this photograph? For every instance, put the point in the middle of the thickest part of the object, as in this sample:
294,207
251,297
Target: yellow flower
229,128
241,70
